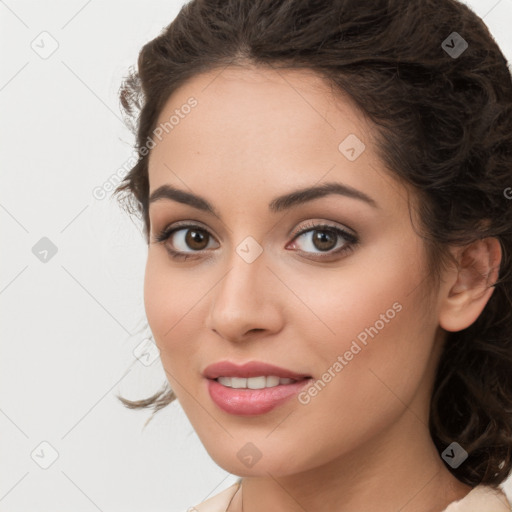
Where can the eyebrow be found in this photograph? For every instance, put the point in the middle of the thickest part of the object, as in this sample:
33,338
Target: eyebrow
284,202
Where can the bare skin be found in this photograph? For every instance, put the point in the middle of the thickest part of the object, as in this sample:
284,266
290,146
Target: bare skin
362,443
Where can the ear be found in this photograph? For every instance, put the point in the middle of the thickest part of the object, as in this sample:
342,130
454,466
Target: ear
470,284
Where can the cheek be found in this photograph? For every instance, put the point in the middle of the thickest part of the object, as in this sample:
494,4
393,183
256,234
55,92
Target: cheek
375,322
355,301
171,298
362,387
173,306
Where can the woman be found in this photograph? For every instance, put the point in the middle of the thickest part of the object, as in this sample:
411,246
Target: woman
323,191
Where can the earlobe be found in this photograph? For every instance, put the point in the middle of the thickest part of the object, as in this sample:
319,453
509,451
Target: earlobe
470,284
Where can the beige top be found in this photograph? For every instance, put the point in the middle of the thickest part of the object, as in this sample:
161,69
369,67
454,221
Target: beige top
480,499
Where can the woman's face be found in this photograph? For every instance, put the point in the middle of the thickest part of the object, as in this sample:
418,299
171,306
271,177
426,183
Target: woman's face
326,285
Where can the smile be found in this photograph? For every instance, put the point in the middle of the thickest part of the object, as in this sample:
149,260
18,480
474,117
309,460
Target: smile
254,382
251,388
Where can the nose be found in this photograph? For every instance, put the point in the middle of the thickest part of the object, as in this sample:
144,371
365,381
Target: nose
246,301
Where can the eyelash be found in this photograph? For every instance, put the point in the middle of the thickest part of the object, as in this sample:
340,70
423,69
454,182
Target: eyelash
351,239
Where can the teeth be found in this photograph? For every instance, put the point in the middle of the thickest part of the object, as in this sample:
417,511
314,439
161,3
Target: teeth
272,381
238,382
225,381
253,382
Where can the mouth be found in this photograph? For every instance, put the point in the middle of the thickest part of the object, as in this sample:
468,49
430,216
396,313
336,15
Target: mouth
259,382
252,388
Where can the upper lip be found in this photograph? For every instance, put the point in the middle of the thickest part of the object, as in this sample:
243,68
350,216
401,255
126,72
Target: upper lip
250,369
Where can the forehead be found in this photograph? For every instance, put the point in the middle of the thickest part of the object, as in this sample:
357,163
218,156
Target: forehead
265,108
280,127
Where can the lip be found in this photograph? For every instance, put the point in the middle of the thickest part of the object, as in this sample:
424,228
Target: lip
250,402
250,369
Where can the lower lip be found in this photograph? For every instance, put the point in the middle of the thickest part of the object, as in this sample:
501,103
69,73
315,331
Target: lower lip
249,402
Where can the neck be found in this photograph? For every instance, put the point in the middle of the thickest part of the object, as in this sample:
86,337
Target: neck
398,470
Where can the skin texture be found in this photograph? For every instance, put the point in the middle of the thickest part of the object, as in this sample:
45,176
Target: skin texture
362,443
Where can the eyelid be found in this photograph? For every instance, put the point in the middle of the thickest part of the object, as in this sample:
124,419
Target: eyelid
321,224
168,230
312,224
352,240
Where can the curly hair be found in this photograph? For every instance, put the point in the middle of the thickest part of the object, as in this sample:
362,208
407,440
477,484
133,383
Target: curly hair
443,120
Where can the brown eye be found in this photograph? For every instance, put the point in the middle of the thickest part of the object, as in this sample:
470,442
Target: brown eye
197,239
324,240
317,239
184,241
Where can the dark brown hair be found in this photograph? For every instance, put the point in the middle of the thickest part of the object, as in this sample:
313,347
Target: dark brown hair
444,126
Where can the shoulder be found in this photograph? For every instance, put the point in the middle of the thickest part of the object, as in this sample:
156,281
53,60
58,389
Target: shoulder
481,498
217,503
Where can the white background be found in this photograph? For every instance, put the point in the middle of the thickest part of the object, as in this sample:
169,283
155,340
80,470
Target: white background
70,325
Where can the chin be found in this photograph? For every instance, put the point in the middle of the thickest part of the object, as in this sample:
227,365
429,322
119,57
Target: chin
246,460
